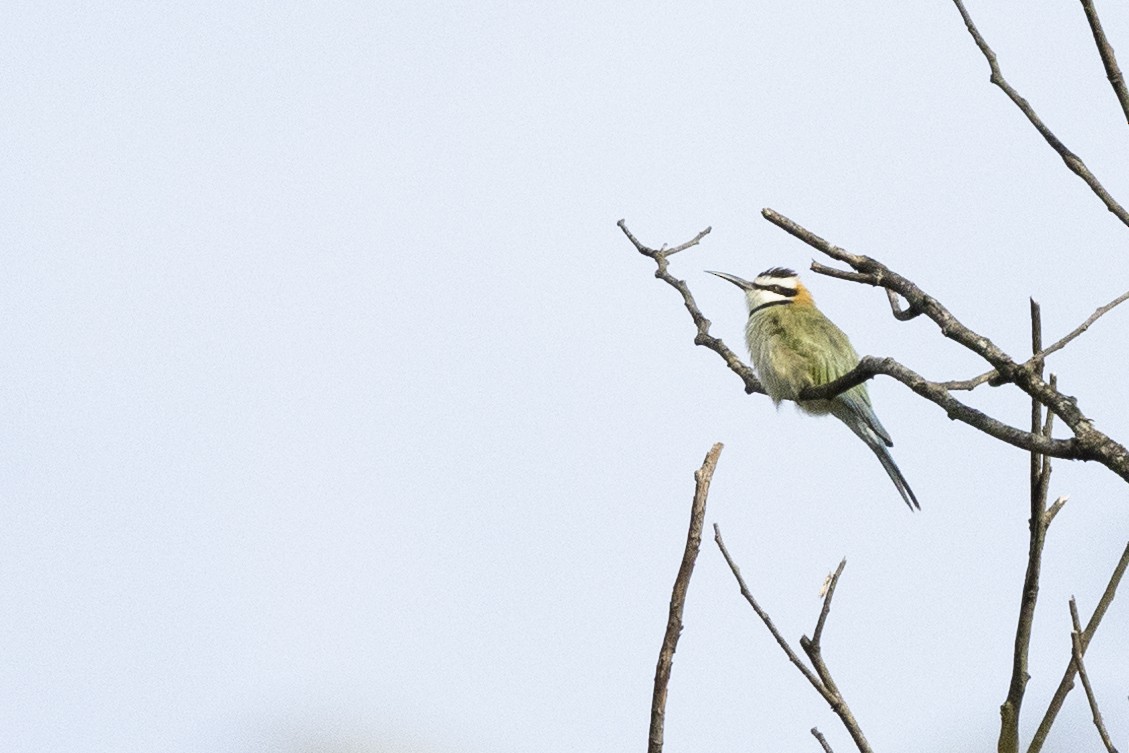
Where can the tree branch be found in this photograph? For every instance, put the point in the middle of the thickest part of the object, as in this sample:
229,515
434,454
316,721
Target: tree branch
703,338
768,623
822,740
1040,474
702,478
1072,160
821,679
935,393
902,315
813,647
828,593
1098,314
988,376
1109,60
1067,683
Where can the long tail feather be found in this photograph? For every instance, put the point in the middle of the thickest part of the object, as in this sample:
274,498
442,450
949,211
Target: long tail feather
877,443
895,474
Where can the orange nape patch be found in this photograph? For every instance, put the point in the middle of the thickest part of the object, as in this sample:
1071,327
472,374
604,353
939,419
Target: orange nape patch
803,296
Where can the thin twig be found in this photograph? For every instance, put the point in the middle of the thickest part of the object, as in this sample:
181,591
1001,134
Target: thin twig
987,376
1109,60
822,740
834,581
902,315
703,338
1072,160
1076,652
967,385
821,679
702,478
682,247
842,274
813,647
1053,510
1067,683
1098,313
768,623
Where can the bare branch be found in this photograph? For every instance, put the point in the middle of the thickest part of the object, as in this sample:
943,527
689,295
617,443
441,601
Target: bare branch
969,384
1072,160
702,478
688,244
703,338
870,366
1067,683
902,315
830,592
622,224
813,647
1053,510
1098,314
842,274
1076,652
768,623
821,679
822,740
1112,71
1088,442
1040,473
883,276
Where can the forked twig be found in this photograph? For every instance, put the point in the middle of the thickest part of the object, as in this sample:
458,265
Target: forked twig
1067,683
821,678
901,314
703,338
1076,652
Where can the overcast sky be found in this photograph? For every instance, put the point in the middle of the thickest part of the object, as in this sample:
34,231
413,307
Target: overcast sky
338,415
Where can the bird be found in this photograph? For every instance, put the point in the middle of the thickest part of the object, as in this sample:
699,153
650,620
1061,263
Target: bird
793,346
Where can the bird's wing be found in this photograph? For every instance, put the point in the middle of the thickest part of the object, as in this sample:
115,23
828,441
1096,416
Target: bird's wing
829,368
858,402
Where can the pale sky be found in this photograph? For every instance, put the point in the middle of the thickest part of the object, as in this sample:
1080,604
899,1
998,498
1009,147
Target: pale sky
338,414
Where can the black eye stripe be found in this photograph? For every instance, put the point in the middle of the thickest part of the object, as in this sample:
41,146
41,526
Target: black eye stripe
778,289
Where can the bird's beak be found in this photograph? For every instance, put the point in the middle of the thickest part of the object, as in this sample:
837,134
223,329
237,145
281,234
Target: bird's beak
743,284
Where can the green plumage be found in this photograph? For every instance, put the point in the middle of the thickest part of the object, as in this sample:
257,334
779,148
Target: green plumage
794,347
